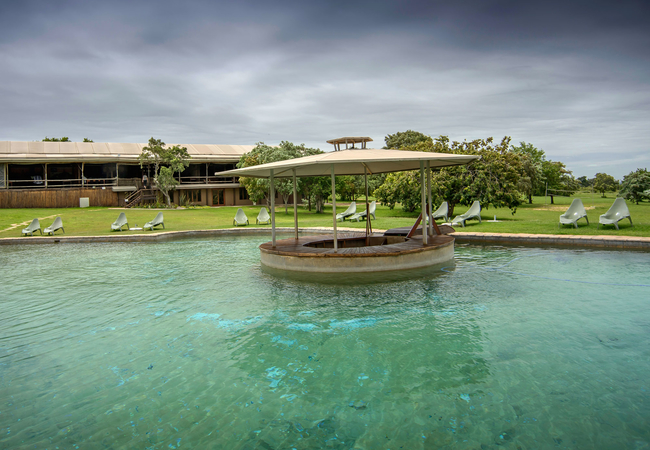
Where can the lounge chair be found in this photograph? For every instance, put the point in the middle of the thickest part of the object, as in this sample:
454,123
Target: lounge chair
56,225
362,214
352,209
263,217
474,212
617,212
120,222
240,218
34,226
575,212
442,212
155,222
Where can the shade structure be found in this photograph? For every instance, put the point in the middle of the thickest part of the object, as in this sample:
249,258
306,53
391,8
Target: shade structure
348,162
352,162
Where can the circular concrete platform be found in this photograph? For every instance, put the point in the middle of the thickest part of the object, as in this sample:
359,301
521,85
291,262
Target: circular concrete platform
356,253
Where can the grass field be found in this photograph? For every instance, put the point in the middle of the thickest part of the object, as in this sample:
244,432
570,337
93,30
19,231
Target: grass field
538,218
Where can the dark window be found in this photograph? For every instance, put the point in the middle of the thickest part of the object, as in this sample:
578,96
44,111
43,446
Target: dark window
194,196
243,194
218,197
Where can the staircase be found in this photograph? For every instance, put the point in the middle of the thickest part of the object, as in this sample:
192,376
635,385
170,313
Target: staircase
140,196
133,199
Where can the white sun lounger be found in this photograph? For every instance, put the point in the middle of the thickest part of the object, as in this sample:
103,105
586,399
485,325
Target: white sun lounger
56,225
617,212
362,215
263,217
474,212
34,226
120,222
240,218
575,212
155,222
352,210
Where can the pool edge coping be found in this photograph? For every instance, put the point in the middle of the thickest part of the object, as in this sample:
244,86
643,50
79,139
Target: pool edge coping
591,241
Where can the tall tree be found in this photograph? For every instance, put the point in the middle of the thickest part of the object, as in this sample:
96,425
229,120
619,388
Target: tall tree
605,183
258,188
403,139
531,181
492,180
636,185
166,161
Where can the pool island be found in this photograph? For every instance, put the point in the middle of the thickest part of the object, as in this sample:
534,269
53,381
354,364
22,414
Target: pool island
361,252
356,253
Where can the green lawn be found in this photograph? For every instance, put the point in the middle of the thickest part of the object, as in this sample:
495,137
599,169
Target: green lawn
538,218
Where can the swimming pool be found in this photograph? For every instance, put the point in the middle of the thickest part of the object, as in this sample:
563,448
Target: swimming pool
191,344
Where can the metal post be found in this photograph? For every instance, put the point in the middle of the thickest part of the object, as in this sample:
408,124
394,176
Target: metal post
424,204
430,199
295,204
336,242
272,210
117,174
45,175
365,176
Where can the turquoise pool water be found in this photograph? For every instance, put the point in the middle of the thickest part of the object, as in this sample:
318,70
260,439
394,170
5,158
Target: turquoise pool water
189,344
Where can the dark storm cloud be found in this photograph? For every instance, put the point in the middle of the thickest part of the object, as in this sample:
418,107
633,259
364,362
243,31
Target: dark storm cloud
570,77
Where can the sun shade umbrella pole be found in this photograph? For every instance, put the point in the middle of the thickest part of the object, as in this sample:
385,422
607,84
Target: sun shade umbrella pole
424,206
272,210
336,242
295,204
430,212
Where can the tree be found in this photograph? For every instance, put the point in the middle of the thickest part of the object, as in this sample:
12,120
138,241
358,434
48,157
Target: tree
636,185
605,183
584,181
88,140
531,182
258,188
348,187
166,161
558,180
63,139
403,139
492,180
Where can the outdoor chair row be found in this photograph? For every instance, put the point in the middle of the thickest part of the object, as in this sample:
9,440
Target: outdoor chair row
617,212
123,222
352,214
263,218
36,226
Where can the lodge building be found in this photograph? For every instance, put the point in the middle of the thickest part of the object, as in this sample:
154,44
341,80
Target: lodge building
58,174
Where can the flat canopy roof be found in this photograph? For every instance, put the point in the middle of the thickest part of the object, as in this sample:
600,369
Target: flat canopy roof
352,162
349,140
39,152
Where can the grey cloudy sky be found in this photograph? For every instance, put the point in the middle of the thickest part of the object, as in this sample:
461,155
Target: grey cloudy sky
571,77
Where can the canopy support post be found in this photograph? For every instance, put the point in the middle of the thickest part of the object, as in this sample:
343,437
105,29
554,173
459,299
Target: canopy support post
424,206
336,241
295,204
272,194
430,212
365,176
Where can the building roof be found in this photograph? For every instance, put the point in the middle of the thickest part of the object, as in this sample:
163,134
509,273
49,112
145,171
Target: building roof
40,152
352,162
